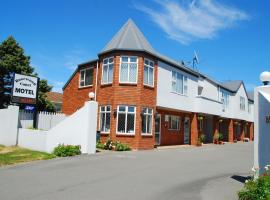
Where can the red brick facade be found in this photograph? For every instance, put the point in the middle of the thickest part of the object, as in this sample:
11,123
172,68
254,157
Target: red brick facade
139,95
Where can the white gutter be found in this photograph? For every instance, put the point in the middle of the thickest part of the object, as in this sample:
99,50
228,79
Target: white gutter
96,83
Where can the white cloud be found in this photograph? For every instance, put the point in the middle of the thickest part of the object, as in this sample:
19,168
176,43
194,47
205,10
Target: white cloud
197,19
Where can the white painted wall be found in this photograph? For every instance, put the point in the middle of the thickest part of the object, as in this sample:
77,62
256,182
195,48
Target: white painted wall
77,129
8,125
33,139
209,102
261,128
168,99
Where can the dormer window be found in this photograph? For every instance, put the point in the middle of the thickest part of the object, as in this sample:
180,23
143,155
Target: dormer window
128,69
86,77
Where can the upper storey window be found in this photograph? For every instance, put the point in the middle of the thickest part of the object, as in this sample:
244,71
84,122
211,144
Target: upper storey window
128,69
179,83
86,77
107,70
225,99
148,73
242,103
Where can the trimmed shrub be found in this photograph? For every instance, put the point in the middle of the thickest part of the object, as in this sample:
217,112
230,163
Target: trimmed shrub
256,189
121,147
100,145
67,150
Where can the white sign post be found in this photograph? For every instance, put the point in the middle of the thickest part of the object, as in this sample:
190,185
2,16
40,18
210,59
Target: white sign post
24,89
261,128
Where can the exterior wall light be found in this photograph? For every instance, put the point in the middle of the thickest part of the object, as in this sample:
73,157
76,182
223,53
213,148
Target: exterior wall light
91,95
265,77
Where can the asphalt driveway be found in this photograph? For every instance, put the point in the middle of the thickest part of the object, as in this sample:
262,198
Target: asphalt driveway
210,172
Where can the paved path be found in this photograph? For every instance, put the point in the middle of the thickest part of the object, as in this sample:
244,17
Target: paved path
167,174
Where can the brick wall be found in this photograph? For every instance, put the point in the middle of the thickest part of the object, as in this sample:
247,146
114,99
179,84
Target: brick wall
75,97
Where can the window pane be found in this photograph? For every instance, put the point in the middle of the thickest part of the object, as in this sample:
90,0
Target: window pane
111,60
144,124
110,73
89,76
133,72
124,72
174,87
104,75
151,64
124,59
121,122
130,123
149,124
151,71
107,126
146,62
108,108
130,109
102,122
102,108
122,108
105,61
133,59
145,75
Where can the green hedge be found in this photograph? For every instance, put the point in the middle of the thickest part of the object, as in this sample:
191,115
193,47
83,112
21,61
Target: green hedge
67,150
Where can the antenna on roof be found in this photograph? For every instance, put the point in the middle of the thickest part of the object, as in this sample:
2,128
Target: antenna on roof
195,60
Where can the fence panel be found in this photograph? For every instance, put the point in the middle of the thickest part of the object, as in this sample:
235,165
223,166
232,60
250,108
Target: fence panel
45,120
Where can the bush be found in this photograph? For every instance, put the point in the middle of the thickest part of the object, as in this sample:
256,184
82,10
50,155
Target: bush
67,150
202,138
100,145
108,144
256,189
121,147
219,137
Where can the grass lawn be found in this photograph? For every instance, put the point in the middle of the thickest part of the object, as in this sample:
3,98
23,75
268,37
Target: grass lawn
12,155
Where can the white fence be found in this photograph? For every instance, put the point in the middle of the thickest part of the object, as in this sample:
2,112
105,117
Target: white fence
45,120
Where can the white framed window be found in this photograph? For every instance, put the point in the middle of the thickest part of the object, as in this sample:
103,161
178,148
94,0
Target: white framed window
107,70
147,118
126,119
105,119
179,83
224,98
148,72
174,122
86,77
242,103
128,69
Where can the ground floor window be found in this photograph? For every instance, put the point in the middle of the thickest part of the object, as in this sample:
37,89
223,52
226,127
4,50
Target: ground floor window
126,119
105,118
174,122
147,115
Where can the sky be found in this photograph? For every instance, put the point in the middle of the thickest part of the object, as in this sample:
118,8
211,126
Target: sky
231,37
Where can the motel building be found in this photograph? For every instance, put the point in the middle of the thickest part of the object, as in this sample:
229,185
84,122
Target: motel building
147,99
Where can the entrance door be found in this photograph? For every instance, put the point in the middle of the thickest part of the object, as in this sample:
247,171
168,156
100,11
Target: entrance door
157,129
186,130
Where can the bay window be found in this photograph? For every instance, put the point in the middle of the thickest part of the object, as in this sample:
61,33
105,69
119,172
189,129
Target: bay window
86,77
148,73
107,70
179,83
105,118
126,119
128,69
147,115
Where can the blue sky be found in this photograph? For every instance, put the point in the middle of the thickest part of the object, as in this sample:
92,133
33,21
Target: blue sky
231,37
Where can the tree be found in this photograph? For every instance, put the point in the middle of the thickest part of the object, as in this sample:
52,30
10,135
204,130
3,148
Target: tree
13,59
